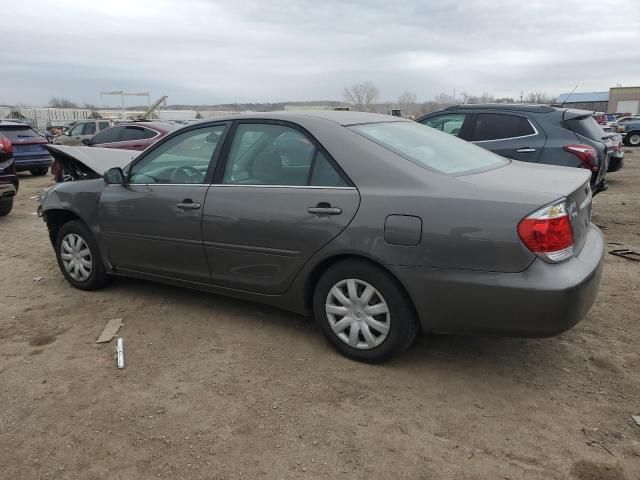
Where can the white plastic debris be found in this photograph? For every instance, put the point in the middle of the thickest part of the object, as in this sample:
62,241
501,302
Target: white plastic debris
120,352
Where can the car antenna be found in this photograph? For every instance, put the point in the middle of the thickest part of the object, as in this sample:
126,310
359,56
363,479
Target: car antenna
565,100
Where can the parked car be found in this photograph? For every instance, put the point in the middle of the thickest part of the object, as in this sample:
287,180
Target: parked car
616,161
381,226
81,130
631,131
531,133
8,177
130,136
29,152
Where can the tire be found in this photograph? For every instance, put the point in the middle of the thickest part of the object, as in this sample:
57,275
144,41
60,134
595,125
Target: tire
632,139
86,277
38,172
5,207
370,343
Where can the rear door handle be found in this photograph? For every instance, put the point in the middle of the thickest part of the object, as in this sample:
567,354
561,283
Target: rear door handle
324,208
526,150
188,205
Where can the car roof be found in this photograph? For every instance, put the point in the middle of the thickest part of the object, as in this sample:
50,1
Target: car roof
519,107
150,124
339,117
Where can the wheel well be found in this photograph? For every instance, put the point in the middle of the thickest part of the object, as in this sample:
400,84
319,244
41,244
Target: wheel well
55,219
327,263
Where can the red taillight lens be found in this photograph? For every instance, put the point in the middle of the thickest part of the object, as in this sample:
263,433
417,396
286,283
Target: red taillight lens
548,233
587,155
6,145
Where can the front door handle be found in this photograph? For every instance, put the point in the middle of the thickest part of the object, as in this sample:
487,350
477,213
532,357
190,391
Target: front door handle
526,150
188,204
324,208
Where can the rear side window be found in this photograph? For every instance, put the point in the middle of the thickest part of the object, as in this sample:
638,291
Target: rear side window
429,148
103,125
324,174
137,133
107,136
587,127
496,126
19,133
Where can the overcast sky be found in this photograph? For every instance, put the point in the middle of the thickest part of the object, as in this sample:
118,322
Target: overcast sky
277,50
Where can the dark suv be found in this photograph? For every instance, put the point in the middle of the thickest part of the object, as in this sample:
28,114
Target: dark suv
8,177
531,133
29,152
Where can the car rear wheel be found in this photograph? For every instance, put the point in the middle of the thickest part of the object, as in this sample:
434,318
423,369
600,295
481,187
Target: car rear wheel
632,139
79,258
5,207
363,312
39,171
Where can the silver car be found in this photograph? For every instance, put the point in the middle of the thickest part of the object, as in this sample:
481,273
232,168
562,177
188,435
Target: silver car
379,226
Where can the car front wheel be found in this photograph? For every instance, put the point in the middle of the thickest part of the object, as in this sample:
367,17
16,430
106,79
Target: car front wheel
632,139
79,258
363,312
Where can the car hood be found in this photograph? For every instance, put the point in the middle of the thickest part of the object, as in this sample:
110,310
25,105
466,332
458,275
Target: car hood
96,160
525,178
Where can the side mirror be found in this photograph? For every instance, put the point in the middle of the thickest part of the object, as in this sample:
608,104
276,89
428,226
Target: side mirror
114,176
86,141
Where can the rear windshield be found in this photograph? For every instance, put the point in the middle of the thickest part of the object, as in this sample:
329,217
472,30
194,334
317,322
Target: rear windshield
430,148
18,133
587,127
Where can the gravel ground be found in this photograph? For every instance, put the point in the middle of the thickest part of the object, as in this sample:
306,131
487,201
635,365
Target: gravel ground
217,388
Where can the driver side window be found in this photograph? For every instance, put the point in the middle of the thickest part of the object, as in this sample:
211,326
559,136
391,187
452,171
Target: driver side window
449,123
184,159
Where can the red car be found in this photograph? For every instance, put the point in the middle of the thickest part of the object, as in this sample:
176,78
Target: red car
130,136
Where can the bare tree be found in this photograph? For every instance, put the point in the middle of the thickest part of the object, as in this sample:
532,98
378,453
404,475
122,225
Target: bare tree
444,99
361,95
407,102
61,102
539,97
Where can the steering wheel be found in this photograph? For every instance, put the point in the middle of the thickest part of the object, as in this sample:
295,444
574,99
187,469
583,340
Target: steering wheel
184,173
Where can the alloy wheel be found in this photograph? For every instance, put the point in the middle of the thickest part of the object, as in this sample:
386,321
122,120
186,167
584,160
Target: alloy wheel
634,139
358,314
76,257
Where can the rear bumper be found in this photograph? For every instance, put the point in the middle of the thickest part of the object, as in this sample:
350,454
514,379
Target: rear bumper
544,300
36,161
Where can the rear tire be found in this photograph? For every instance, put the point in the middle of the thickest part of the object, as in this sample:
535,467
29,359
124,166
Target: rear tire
79,257
632,139
38,172
363,311
5,207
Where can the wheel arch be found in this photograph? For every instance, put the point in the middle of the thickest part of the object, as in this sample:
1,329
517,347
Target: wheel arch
57,217
326,263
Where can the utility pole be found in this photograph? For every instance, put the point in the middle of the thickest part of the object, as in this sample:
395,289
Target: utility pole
127,94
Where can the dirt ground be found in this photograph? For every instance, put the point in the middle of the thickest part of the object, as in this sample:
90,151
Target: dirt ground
216,388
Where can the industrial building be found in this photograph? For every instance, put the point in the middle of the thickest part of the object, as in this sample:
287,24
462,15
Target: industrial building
616,100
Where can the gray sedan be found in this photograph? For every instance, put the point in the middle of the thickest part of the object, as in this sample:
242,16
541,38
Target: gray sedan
379,226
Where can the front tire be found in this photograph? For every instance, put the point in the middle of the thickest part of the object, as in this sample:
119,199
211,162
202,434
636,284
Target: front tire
632,139
38,172
79,257
363,311
5,207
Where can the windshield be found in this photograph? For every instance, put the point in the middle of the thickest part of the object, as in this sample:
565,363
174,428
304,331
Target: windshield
430,148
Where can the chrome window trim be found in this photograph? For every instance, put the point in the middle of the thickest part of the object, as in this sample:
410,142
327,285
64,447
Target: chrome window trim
314,187
511,138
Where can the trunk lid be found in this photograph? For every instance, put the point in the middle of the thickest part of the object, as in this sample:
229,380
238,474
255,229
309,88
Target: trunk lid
540,185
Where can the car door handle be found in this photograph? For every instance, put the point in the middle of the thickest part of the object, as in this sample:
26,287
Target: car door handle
526,150
324,208
188,205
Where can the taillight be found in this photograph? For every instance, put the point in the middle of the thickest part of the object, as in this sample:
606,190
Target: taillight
6,145
587,155
548,233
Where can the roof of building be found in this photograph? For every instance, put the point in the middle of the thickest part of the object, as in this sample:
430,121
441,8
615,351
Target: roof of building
578,97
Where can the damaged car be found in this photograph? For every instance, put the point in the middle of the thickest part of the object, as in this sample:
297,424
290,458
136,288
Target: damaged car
378,226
